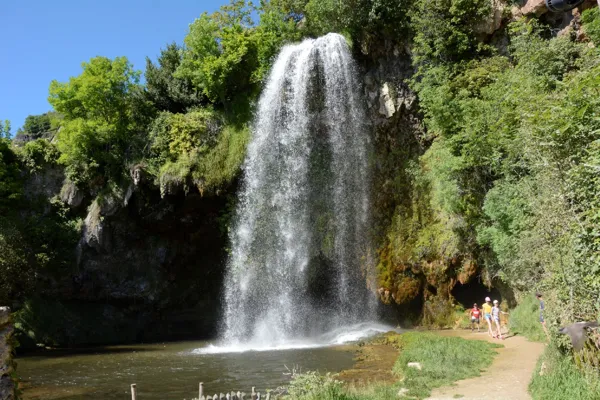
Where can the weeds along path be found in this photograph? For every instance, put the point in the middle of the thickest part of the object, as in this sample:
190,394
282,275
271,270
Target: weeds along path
506,379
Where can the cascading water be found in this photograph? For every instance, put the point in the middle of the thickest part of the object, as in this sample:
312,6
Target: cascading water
299,243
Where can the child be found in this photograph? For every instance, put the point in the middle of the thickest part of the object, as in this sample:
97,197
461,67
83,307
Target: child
496,318
542,308
475,313
487,315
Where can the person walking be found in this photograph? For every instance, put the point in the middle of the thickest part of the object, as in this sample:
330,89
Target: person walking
496,318
475,315
487,315
538,295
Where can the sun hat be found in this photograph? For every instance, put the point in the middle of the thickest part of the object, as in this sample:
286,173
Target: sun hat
487,299
495,301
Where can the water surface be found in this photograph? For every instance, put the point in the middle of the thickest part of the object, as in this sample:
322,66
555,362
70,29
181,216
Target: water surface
166,371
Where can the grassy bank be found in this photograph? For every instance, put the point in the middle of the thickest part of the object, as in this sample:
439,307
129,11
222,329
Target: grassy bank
525,320
443,360
556,377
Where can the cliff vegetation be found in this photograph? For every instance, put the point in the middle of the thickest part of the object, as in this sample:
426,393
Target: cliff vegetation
486,123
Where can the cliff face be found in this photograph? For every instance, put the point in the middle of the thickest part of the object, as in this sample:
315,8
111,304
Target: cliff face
421,267
146,268
7,386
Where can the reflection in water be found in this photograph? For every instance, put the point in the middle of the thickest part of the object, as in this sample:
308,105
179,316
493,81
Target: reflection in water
165,371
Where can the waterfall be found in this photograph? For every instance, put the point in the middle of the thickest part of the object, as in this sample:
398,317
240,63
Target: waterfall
299,260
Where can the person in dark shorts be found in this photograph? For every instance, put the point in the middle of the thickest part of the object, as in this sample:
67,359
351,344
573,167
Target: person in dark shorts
475,317
538,295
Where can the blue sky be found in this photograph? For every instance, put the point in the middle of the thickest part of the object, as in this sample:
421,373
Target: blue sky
42,40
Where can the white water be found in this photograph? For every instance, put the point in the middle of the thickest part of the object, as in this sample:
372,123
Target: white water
300,262
339,336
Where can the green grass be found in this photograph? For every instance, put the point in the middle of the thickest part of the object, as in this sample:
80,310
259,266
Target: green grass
444,360
562,380
525,320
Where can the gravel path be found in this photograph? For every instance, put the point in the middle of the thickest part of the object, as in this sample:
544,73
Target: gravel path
506,379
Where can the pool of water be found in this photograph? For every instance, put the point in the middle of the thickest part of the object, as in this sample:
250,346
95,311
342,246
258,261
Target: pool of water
166,371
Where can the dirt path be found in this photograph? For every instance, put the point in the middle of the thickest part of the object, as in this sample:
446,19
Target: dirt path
506,379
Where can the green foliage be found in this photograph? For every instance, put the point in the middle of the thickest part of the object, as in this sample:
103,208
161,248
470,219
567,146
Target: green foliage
591,24
525,319
100,125
165,91
359,20
38,154
444,30
444,360
10,179
17,276
56,323
561,379
312,385
37,124
226,56
5,130
36,236
195,150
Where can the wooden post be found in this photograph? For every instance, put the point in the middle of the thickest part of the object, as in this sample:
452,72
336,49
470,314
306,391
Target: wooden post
133,392
200,390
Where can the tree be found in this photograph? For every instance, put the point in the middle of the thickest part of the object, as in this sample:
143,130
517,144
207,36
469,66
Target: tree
101,128
5,129
163,89
226,56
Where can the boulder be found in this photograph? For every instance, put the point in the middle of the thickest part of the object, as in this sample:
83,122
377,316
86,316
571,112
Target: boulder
71,194
493,21
537,7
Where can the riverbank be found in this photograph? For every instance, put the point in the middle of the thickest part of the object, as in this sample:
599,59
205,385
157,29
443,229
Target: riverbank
394,365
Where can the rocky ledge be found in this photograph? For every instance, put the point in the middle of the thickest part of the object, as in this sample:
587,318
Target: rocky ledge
7,386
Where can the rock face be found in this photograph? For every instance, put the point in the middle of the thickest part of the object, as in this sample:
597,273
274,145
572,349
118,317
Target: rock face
146,267
7,386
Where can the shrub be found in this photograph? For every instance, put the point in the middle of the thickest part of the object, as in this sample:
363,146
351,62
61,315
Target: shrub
312,385
591,24
525,319
556,377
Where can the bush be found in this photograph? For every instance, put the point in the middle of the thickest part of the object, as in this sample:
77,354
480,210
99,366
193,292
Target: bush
525,319
591,24
312,385
557,377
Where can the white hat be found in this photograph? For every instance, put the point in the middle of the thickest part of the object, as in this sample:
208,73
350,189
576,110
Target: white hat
495,301
487,299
